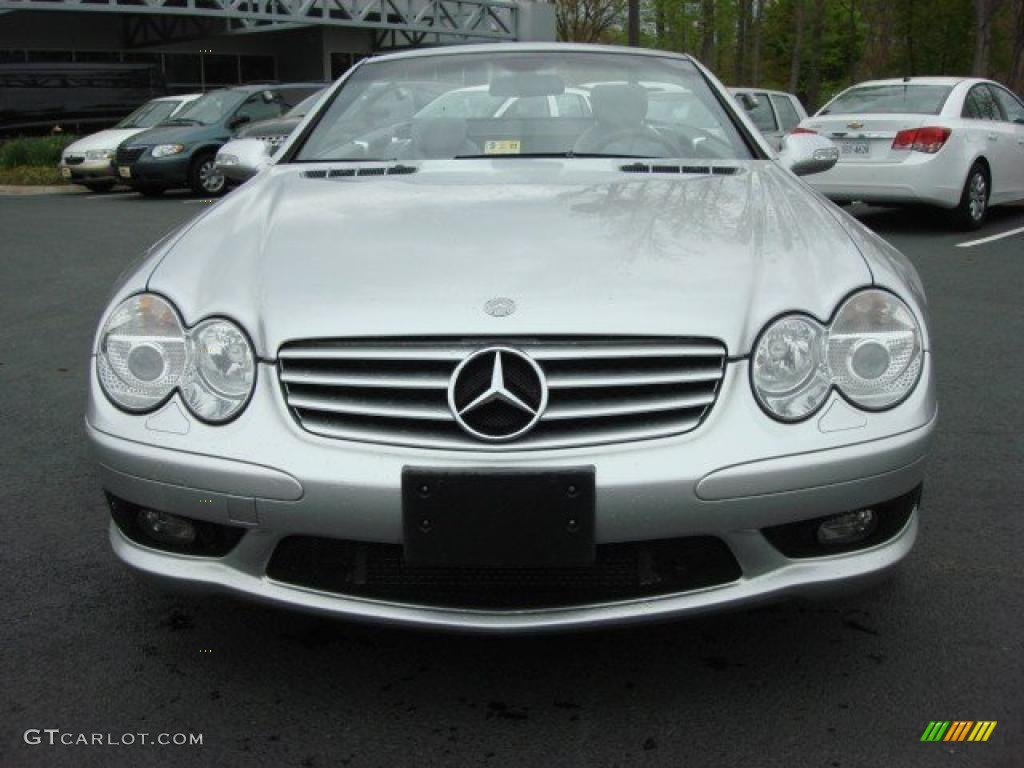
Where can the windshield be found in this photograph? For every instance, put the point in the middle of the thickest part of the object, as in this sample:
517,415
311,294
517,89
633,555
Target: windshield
149,114
903,99
210,108
300,109
523,104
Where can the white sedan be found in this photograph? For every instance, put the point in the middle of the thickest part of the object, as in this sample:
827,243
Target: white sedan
956,143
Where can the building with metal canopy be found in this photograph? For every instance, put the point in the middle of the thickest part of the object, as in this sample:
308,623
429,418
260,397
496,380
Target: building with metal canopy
199,44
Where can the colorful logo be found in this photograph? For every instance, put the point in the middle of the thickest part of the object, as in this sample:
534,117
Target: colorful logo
958,730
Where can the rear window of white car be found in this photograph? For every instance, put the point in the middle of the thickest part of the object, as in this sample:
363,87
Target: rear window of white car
761,113
788,115
901,98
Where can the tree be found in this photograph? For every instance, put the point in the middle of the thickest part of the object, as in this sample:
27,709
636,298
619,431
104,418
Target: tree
796,59
984,15
707,30
816,47
587,21
742,27
1016,74
817,52
634,22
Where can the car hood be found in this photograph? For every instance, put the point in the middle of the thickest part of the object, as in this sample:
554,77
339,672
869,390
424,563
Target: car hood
279,126
174,134
580,246
108,139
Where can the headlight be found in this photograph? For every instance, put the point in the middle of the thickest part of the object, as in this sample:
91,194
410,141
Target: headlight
226,159
871,352
143,353
223,371
790,373
99,154
163,150
875,349
146,354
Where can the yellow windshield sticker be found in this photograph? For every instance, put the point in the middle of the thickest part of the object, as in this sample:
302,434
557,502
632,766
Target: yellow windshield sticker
504,147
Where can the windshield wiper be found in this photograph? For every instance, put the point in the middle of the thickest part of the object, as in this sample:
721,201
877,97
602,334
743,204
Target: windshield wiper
347,160
556,155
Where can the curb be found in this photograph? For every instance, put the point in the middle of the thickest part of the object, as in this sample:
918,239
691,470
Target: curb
19,190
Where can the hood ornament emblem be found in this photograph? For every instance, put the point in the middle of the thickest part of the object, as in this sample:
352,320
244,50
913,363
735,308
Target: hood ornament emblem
499,307
497,394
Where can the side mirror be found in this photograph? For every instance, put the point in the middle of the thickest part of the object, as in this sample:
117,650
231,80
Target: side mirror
238,120
242,159
749,101
807,153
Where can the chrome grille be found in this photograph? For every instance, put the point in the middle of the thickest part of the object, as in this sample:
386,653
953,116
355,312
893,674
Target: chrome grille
601,390
128,155
273,142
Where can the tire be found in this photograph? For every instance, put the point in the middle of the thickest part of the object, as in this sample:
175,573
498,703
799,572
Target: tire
203,179
150,191
99,186
973,206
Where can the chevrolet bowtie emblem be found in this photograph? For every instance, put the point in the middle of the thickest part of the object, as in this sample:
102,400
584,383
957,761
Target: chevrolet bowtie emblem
855,125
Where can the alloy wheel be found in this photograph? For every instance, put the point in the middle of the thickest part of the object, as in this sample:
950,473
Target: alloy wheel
978,196
209,178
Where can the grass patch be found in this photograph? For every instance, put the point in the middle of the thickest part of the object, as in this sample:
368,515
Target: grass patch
31,175
37,151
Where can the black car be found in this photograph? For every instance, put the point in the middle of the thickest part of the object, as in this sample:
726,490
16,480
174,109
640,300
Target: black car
179,153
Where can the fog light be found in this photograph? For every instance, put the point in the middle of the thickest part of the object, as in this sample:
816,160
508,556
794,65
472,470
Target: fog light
166,528
848,528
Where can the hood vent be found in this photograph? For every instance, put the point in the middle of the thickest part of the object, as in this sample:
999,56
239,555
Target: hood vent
375,170
700,170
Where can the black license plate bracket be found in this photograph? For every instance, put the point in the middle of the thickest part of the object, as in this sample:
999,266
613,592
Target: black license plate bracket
502,518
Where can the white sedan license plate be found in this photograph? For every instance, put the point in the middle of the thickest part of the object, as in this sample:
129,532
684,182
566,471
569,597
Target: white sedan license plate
854,148
124,171
65,172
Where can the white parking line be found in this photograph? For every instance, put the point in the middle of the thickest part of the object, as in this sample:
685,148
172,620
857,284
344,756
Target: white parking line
990,238
193,202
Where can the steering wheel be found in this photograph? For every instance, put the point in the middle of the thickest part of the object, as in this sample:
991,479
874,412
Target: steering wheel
644,133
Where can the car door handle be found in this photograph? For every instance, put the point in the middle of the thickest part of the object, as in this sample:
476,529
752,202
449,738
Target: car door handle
993,137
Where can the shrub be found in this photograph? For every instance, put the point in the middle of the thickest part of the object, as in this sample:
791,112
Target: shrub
38,151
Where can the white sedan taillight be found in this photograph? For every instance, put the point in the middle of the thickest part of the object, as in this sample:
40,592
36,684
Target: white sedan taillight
929,140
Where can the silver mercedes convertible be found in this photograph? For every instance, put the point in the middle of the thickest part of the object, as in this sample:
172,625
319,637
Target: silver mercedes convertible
563,344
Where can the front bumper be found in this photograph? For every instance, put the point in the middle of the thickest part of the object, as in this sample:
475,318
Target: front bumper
735,475
167,172
87,171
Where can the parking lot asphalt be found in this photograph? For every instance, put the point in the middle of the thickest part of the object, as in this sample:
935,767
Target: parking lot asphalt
87,648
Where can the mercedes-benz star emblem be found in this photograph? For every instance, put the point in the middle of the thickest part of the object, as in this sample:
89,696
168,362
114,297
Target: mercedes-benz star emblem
497,394
499,306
